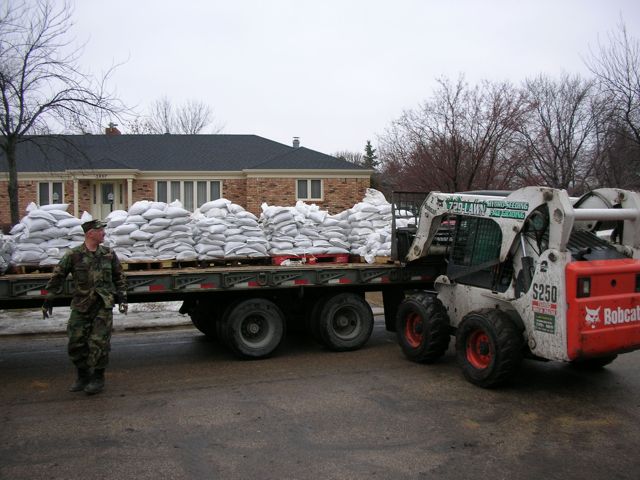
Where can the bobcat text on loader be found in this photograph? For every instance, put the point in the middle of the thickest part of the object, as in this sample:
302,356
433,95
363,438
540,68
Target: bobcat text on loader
528,275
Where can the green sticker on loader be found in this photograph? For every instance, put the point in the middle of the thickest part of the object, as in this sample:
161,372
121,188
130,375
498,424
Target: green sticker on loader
544,323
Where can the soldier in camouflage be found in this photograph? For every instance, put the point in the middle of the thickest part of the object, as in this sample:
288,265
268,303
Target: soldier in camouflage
98,284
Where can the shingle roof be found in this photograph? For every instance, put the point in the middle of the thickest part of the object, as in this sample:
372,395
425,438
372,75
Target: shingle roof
168,153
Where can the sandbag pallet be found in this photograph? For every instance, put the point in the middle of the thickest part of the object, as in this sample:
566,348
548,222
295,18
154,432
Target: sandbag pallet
311,259
30,268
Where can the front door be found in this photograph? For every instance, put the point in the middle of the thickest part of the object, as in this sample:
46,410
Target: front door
107,197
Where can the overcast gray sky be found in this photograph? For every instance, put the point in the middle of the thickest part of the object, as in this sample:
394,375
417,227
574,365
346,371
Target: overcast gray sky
333,72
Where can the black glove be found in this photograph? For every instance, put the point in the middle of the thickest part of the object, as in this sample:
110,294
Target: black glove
47,309
123,308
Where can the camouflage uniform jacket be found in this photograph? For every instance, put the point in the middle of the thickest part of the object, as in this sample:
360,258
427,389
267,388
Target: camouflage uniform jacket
95,275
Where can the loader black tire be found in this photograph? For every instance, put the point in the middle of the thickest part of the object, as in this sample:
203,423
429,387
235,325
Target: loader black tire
253,328
489,348
593,363
422,328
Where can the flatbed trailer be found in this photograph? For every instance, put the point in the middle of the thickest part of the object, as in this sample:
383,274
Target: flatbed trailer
250,306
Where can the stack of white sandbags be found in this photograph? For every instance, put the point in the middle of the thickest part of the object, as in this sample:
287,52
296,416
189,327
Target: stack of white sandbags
304,230
44,235
370,220
6,249
151,231
226,230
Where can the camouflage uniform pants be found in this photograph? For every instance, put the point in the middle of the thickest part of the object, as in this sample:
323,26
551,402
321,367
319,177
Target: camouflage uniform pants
90,336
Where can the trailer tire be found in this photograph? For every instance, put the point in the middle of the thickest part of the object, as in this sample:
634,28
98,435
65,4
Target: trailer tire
253,328
206,326
422,328
204,316
593,363
343,322
489,348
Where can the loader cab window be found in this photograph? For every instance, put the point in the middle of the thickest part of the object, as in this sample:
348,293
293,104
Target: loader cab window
475,254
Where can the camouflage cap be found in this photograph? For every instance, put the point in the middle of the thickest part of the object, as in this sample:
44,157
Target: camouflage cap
92,225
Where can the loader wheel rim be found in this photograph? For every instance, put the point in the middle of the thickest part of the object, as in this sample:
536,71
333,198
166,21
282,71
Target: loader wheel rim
479,350
413,330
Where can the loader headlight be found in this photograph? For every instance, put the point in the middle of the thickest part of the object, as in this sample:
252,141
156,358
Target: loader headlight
584,287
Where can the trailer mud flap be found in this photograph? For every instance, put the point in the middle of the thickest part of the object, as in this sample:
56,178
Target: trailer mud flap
603,314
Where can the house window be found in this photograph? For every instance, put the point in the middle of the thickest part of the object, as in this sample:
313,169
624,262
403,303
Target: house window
50,192
191,193
309,190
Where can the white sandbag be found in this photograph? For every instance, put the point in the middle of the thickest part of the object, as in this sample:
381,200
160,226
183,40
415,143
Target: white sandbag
217,213
161,235
69,222
180,228
137,219
158,205
152,213
174,212
169,246
121,240
31,256
139,207
115,222
33,224
125,229
151,228
140,235
219,203
163,222
186,256
181,247
204,248
60,214
219,228
374,197
55,206
116,214
57,243
180,220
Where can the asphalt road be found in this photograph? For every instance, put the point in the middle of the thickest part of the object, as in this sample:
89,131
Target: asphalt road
179,406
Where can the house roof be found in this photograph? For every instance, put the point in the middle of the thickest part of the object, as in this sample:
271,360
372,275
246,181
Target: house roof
167,153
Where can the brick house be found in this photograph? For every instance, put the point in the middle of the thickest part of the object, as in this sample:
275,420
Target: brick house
98,173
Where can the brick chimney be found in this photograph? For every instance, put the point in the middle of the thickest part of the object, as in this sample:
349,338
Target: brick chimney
296,142
111,129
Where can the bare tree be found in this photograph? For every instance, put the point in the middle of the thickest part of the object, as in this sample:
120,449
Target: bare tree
559,136
352,157
193,117
616,66
41,83
162,118
461,139
190,118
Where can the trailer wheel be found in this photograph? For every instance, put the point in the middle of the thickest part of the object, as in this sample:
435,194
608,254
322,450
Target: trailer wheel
422,328
204,316
593,363
253,328
488,348
343,322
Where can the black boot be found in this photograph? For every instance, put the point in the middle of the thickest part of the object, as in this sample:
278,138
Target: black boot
97,382
83,379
